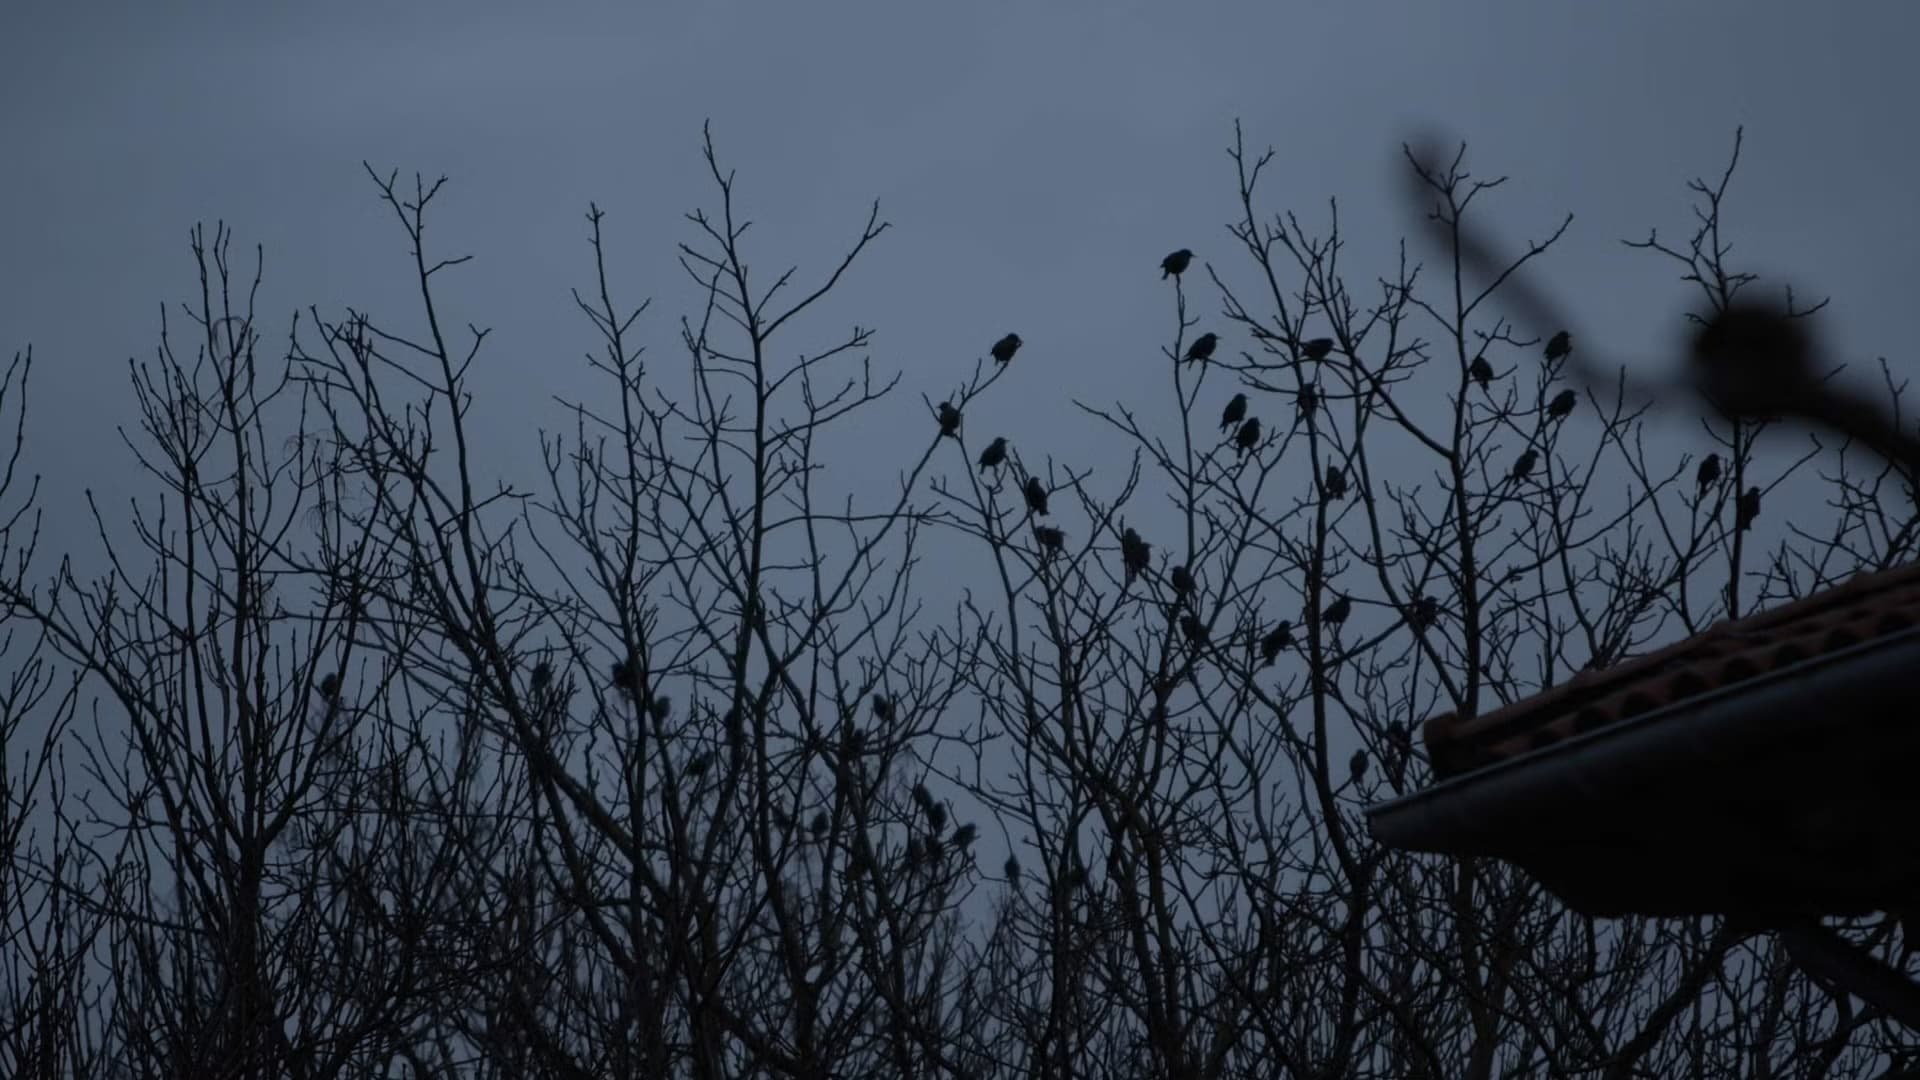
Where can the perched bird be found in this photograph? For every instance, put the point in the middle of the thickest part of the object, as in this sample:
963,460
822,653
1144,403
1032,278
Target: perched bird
698,767
1747,509
1276,639
1425,610
936,815
994,454
626,677
963,836
1559,345
1481,371
329,688
1249,436
883,708
1562,404
1194,630
1336,482
949,419
1182,580
1012,870
819,825
1235,412
1523,465
923,799
1308,399
1004,349
1318,348
1337,612
1175,264
1135,554
542,677
661,707
1202,347
1036,493
1709,473
1358,765
1050,538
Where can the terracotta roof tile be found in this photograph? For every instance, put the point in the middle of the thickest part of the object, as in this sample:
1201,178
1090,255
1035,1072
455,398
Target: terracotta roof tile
1868,607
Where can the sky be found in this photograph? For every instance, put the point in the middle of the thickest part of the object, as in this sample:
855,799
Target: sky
1035,161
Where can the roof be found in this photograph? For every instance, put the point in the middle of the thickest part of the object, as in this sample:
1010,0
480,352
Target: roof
1864,609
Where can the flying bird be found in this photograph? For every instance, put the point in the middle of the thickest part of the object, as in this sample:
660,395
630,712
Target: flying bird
1336,482
1194,630
1049,537
1481,371
994,454
949,419
1523,465
1036,493
1175,264
1747,509
1277,638
1248,437
1182,580
1559,345
1318,348
1709,473
1004,349
1337,612
1135,554
1562,404
1202,347
1235,412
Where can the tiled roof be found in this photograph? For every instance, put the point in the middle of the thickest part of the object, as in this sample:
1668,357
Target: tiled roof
1867,607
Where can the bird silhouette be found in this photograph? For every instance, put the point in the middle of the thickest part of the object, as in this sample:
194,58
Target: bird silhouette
1012,870
1135,554
626,677
1182,580
1562,404
661,707
1523,465
698,767
1358,765
329,688
994,454
542,677
1318,348
1336,482
1235,411
1194,629
949,419
883,708
1175,264
1248,437
963,836
1307,399
1747,509
819,825
1004,349
1276,639
1337,612
1202,347
1709,473
1425,610
1050,538
1036,493
1481,371
1559,345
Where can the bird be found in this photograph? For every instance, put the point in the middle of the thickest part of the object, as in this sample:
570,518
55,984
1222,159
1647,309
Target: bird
1004,349
1248,437
883,708
1175,264
1358,765
1336,482
698,767
542,676
1559,345
1036,493
1562,404
1523,465
1709,473
1747,509
661,707
1012,870
1308,398
963,836
994,454
1049,537
1425,610
1135,554
1235,412
626,678
1194,630
923,799
936,815
1182,580
1337,612
949,419
819,825
1481,371
1202,347
1277,638
1318,348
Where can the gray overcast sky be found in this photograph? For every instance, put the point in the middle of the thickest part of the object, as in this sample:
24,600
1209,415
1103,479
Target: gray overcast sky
1035,159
